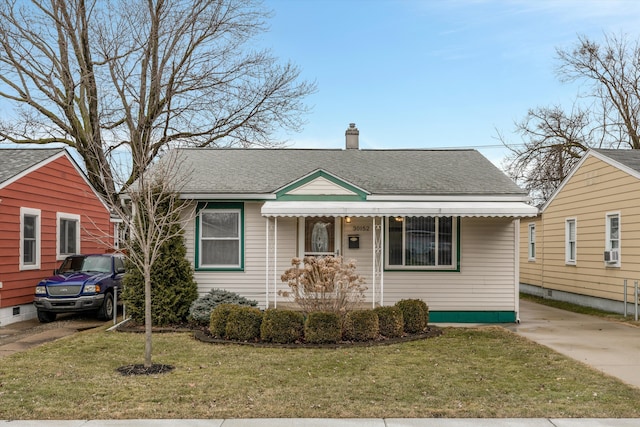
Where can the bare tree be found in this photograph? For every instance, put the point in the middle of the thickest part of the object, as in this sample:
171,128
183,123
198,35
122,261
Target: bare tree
154,214
605,115
115,78
552,144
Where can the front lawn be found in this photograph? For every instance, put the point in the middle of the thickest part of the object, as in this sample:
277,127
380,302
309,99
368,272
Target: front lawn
486,372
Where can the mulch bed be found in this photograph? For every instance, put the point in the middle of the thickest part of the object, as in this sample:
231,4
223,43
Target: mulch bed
204,336
140,369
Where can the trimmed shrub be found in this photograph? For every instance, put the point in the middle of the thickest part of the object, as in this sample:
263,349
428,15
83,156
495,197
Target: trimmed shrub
322,327
415,314
282,326
390,321
243,323
218,320
200,310
361,325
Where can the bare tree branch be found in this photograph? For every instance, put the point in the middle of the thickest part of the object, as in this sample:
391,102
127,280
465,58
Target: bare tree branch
109,75
553,140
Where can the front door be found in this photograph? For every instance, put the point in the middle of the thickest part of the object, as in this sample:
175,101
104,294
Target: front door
320,236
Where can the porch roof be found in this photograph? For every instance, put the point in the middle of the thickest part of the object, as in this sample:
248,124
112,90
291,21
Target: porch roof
514,209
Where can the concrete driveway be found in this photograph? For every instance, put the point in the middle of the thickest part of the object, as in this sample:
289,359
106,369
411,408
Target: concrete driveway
609,346
21,336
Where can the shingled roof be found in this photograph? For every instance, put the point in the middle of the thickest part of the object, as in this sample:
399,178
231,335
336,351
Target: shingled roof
384,172
14,161
628,158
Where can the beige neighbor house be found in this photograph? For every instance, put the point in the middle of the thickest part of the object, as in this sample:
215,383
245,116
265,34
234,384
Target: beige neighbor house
585,240
439,225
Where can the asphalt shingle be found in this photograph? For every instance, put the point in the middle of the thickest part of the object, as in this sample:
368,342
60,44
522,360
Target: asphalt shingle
14,161
410,172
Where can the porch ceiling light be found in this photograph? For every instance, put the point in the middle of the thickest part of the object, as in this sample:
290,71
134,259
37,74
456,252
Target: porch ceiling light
347,220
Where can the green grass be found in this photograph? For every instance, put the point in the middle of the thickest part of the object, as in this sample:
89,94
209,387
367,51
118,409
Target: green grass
486,372
575,308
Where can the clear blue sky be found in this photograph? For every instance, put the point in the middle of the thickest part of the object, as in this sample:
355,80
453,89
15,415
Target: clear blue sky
433,74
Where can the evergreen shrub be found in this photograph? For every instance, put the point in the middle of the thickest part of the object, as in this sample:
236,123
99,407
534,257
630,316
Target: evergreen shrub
200,310
218,320
390,321
173,287
243,323
361,325
282,326
323,327
415,314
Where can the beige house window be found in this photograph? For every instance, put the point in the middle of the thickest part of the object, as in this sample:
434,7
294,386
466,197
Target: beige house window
532,242
570,241
612,242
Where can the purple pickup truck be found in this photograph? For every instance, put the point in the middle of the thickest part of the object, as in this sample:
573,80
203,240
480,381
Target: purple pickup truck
82,283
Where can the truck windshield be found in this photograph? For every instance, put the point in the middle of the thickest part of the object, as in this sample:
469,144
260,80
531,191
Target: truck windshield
101,264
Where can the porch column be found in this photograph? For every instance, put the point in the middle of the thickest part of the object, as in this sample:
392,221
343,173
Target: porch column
378,271
275,262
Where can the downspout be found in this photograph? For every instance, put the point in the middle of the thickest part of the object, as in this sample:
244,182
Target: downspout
381,261
516,269
266,268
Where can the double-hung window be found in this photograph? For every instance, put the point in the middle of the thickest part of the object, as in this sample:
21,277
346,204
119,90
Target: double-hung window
570,241
421,243
68,234
612,242
219,236
532,242
29,239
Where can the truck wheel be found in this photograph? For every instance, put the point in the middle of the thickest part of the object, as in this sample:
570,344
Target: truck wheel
106,311
46,316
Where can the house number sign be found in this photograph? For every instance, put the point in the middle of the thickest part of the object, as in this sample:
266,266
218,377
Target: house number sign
361,228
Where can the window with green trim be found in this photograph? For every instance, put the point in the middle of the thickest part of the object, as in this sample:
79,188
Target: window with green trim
219,237
421,243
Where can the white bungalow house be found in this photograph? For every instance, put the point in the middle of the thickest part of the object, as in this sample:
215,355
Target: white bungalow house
439,225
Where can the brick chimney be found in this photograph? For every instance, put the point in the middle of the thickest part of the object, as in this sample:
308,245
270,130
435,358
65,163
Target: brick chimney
352,136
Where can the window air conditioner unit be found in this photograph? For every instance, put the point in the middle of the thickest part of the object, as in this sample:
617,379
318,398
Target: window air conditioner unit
611,257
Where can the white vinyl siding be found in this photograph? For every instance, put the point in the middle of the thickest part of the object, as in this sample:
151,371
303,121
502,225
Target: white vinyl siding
570,241
487,277
486,280
250,282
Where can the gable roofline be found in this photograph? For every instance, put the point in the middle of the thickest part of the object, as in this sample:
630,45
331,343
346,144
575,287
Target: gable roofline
18,176
602,156
598,155
321,173
61,153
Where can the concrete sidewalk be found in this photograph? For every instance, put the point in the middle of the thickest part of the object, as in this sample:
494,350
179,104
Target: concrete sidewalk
360,422
609,346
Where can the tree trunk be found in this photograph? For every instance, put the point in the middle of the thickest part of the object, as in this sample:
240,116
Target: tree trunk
147,318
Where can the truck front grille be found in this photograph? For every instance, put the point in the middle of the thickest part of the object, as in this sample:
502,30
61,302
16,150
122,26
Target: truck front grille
65,290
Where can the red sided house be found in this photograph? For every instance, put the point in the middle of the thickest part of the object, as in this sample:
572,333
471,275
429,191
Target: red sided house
48,210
